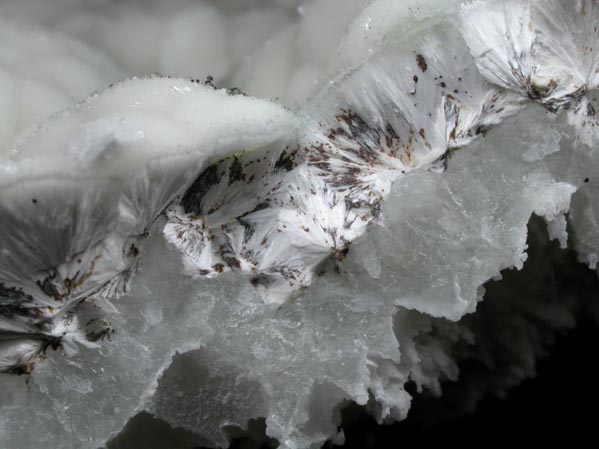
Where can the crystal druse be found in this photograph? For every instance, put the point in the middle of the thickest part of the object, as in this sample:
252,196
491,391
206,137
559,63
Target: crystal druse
318,235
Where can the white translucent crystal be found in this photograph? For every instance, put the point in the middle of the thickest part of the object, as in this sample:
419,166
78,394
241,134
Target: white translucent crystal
287,263
75,233
295,62
440,240
186,38
42,72
385,23
82,400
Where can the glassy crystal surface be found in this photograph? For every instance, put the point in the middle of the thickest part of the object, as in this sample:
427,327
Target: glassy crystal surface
225,218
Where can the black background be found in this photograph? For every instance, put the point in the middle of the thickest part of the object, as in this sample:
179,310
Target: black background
561,403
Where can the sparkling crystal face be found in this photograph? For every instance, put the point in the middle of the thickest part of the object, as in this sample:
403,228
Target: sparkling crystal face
212,257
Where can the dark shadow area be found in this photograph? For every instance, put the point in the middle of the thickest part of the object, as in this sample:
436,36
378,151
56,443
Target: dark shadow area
144,431
559,404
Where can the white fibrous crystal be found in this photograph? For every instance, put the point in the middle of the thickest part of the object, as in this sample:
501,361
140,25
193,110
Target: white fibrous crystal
358,136
216,259
73,235
541,49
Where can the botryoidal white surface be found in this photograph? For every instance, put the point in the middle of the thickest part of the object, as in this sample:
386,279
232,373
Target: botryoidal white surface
295,257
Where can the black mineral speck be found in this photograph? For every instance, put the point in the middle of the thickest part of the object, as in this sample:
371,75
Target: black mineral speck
191,201
285,162
421,62
236,171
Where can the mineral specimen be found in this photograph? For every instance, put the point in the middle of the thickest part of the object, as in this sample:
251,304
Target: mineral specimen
212,258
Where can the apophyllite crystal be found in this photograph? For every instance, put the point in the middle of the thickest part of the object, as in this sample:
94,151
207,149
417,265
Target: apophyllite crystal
213,258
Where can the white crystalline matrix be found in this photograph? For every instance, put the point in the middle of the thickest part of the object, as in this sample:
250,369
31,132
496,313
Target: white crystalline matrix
214,258
71,237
